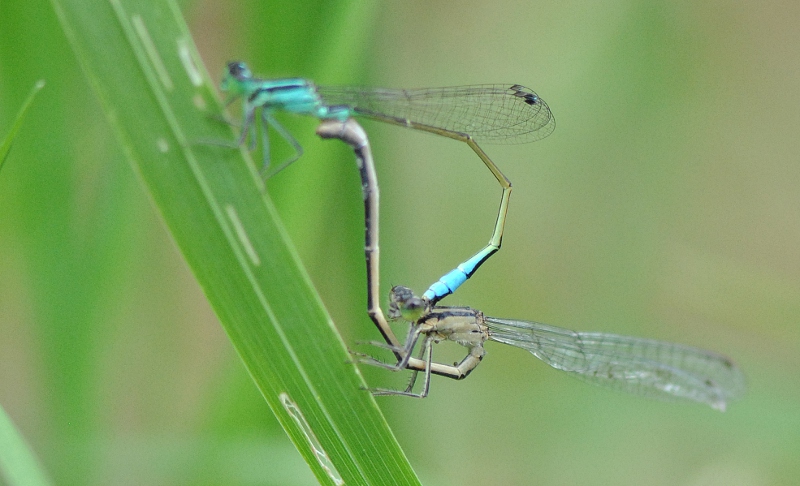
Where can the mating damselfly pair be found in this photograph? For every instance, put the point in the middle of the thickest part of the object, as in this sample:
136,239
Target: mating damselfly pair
492,113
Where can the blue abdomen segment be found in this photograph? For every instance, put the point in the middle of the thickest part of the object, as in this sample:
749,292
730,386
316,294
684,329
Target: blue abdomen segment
295,96
453,279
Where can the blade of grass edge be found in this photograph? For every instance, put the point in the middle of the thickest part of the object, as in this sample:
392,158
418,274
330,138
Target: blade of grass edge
18,464
5,147
140,60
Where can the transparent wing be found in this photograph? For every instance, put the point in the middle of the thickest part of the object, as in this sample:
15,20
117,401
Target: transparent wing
641,366
495,113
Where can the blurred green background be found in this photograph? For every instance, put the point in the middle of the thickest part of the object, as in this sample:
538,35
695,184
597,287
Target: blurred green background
665,205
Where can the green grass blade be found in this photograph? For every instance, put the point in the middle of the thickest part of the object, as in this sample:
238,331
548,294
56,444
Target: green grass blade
159,99
5,147
18,464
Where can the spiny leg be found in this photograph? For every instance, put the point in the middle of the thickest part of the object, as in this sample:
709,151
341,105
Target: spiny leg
425,359
426,354
404,351
269,120
248,137
248,128
222,143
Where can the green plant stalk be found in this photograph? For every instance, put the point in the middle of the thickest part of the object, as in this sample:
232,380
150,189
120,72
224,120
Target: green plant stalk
159,99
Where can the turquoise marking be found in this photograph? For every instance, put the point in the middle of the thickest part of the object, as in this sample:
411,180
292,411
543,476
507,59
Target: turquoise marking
293,95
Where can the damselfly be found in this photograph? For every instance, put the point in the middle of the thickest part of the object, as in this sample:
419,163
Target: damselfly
641,366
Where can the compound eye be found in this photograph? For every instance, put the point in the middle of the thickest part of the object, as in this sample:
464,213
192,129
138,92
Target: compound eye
238,70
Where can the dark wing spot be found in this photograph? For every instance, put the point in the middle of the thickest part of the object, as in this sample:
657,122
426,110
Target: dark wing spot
521,92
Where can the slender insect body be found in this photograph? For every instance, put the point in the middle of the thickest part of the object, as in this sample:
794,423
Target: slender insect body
640,366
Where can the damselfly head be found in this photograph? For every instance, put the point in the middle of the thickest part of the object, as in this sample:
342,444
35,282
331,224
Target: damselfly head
236,74
404,304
